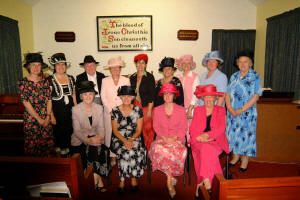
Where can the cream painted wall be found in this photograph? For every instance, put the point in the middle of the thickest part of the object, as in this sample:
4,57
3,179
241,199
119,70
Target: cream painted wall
21,12
168,17
264,11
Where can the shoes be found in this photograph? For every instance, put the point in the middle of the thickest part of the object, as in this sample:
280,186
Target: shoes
173,181
101,189
209,191
172,193
121,191
233,164
134,188
243,169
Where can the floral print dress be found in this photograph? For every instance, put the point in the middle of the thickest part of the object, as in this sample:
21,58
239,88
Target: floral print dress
38,140
130,162
241,130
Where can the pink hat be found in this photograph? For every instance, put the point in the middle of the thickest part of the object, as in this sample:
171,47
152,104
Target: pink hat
115,62
186,58
169,88
207,90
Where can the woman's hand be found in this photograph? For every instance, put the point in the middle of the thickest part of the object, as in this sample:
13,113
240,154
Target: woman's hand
190,112
128,144
95,141
204,138
44,122
53,120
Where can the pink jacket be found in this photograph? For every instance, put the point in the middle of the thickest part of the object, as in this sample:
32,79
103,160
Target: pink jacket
189,86
177,124
109,92
81,124
217,125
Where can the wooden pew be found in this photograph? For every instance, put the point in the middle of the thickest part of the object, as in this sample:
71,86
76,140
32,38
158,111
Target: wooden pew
254,188
18,172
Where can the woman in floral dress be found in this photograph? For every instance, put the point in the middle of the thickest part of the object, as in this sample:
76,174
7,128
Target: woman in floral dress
35,96
126,141
168,152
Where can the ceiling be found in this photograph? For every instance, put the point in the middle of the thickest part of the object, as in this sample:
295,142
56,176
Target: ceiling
34,2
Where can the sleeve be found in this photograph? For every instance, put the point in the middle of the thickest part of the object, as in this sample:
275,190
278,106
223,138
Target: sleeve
222,83
76,126
183,127
257,87
114,114
100,127
156,122
23,91
104,98
194,127
140,112
195,84
151,87
179,100
228,91
220,124
46,88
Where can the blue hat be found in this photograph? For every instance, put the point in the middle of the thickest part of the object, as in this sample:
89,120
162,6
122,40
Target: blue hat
212,55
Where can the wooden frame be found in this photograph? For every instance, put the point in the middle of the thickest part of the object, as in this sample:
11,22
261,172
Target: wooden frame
124,33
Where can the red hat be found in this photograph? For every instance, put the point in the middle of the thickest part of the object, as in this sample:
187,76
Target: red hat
207,90
169,88
141,57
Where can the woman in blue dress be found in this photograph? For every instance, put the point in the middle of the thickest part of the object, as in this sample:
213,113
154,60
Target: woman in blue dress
243,91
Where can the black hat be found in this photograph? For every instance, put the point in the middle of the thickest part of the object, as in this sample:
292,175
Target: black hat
167,62
246,53
126,90
86,86
34,57
58,58
89,59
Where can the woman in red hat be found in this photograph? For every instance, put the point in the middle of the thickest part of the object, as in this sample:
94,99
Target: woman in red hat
144,84
208,138
168,152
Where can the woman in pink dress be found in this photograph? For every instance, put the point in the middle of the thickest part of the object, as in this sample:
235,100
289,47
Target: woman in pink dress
168,152
208,138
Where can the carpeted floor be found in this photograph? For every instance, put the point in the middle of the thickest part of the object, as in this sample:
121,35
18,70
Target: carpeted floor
158,190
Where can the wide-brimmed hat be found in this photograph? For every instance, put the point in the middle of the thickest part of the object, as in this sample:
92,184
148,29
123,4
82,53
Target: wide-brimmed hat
167,62
115,62
126,90
214,55
207,90
169,88
89,59
34,57
141,57
58,58
86,86
186,58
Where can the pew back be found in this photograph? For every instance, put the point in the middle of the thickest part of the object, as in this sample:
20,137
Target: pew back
18,172
255,188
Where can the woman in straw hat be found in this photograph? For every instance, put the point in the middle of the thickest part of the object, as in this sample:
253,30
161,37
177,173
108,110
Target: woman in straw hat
208,138
63,99
167,152
109,95
36,97
127,142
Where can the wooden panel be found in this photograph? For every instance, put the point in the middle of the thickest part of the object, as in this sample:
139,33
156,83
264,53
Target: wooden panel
277,137
187,35
64,36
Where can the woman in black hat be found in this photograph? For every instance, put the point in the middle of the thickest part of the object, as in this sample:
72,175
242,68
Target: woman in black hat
126,141
88,136
36,97
167,68
63,99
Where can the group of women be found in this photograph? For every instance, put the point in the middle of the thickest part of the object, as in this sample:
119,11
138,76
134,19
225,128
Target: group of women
142,118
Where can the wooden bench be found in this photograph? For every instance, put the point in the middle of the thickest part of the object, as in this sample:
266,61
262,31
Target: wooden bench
18,172
254,188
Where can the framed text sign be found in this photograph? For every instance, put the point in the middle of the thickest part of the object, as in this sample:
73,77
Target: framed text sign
124,33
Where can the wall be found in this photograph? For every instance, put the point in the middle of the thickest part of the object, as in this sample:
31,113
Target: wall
168,17
264,11
21,12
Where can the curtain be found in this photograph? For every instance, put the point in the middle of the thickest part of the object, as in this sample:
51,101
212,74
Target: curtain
282,58
10,56
229,43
